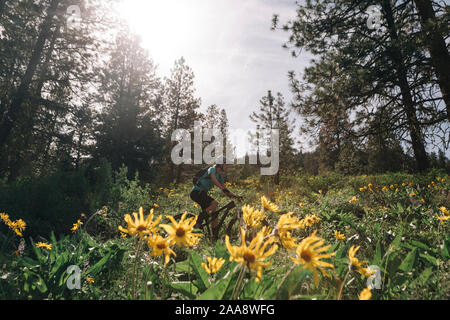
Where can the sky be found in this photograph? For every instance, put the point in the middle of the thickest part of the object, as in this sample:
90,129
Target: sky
229,44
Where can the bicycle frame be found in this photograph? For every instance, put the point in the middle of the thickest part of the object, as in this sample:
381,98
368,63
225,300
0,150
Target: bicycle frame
204,220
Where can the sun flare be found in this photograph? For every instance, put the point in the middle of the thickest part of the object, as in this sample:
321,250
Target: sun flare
169,29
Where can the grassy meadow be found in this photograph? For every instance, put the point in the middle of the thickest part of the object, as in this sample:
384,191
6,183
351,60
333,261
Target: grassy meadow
326,237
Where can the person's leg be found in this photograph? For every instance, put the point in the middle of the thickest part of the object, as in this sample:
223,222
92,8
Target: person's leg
210,210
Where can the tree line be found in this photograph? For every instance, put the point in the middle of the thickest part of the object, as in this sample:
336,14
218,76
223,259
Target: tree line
71,96
373,95
373,99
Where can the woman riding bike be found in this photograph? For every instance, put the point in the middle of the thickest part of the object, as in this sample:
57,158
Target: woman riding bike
212,177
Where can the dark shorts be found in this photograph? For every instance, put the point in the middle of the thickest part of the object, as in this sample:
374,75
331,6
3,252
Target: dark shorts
202,198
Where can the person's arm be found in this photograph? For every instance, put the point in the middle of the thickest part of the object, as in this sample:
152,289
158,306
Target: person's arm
227,192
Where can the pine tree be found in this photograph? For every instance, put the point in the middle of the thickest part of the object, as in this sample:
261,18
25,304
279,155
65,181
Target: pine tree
272,115
378,70
127,132
180,106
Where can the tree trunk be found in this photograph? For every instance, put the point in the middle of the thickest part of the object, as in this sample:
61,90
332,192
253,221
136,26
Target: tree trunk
172,144
408,103
440,57
13,113
2,7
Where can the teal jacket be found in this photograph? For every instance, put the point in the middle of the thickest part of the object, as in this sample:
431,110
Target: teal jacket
207,184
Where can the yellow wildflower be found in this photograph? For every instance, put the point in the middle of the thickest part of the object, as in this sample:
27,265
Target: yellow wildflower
44,245
214,265
309,255
90,280
76,225
181,232
266,231
365,294
443,218
339,236
358,264
140,226
444,210
252,217
160,246
287,241
309,220
252,256
267,204
286,223
17,226
353,200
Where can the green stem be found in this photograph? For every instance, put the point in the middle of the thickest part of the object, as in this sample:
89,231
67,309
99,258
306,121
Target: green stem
189,274
136,258
150,268
339,297
163,291
238,283
284,279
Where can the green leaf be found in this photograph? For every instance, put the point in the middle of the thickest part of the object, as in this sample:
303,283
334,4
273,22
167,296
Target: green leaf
420,245
221,251
182,266
218,291
54,243
423,277
393,263
28,262
60,263
255,290
400,279
378,257
202,277
397,240
99,265
446,250
37,252
429,259
341,252
293,283
409,261
334,246
269,292
40,284
185,288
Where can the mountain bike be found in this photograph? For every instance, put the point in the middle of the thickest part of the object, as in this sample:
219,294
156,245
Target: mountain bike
204,220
